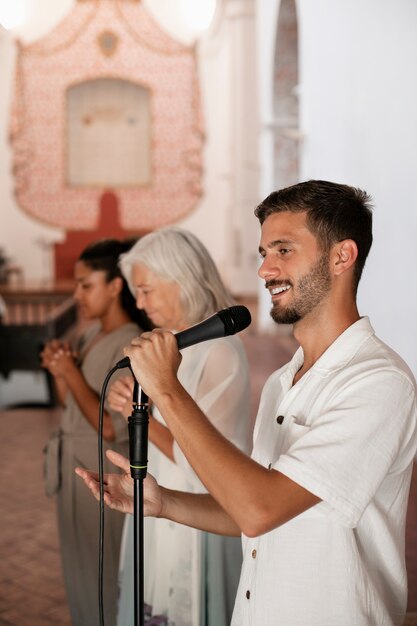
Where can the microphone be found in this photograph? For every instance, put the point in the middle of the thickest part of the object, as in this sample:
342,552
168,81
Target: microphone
222,324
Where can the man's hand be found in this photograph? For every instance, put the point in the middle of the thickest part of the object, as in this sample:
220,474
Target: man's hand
118,488
198,510
155,359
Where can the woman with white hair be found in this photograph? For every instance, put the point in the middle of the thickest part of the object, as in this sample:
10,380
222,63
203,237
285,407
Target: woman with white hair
190,577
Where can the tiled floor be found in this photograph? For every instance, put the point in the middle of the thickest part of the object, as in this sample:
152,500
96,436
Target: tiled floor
31,591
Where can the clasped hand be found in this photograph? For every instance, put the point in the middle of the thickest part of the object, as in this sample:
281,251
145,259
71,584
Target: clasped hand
57,357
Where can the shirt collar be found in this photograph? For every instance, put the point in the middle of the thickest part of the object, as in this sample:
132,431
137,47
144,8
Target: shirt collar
339,353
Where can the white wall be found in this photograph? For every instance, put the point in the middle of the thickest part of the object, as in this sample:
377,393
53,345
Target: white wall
22,238
26,241
358,95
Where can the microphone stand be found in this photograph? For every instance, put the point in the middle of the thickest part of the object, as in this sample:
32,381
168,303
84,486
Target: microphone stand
138,454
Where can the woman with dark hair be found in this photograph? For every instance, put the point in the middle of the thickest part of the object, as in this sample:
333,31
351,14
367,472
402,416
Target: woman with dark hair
102,296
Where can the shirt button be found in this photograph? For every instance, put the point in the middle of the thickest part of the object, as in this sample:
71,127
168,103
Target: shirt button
248,594
254,554
280,419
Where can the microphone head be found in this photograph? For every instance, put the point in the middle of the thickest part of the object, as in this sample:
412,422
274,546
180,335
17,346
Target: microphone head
226,322
235,319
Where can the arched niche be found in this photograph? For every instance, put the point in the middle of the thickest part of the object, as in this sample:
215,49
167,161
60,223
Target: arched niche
107,66
285,106
108,134
282,135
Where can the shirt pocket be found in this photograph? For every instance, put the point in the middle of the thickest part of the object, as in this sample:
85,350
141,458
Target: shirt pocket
286,431
293,432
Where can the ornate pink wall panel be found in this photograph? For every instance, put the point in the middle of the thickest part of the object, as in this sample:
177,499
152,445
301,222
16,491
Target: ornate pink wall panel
71,54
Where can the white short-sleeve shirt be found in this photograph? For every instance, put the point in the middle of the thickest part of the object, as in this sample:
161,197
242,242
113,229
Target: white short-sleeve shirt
347,432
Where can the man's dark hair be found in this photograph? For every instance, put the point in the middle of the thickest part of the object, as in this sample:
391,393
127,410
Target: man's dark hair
334,212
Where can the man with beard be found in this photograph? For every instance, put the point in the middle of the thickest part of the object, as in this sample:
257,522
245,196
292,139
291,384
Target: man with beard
321,503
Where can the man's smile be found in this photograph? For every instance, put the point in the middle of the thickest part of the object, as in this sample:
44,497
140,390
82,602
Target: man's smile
276,288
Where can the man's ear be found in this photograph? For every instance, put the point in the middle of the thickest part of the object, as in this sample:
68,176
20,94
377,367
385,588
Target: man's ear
344,255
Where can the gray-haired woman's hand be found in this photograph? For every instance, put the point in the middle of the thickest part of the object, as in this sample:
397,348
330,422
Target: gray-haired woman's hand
120,395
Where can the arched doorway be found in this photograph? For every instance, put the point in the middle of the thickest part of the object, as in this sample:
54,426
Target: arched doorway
285,95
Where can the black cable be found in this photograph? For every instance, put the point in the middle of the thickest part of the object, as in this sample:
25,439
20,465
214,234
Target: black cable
100,475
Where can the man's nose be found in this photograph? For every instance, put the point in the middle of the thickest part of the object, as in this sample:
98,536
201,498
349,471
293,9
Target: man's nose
269,268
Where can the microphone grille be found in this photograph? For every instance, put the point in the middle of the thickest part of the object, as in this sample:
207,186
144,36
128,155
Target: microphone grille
235,319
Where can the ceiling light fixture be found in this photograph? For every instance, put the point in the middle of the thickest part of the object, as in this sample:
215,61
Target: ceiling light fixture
198,15
13,13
